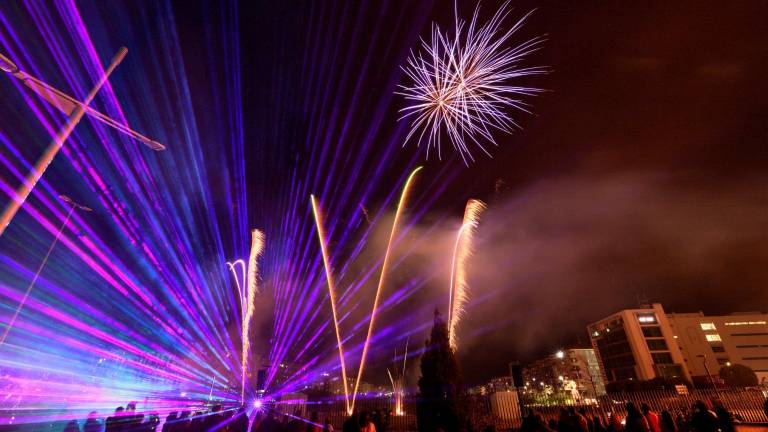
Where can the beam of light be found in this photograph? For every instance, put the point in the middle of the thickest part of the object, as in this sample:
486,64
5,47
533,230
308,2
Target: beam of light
464,84
332,296
462,251
398,215
129,308
23,301
257,247
21,194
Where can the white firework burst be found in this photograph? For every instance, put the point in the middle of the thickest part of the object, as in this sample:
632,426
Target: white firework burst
463,87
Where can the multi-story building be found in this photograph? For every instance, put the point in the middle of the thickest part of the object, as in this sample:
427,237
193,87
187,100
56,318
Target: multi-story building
575,368
637,344
708,343
495,385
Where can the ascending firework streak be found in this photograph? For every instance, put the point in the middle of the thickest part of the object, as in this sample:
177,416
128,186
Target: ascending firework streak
247,296
398,214
332,295
398,383
462,250
461,83
332,292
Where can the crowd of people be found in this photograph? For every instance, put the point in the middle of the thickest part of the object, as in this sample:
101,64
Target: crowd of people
127,419
700,418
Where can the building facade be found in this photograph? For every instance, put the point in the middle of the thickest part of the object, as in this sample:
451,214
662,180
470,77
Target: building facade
708,343
576,370
637,344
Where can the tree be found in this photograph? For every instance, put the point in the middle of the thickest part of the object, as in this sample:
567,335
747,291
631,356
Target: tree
738,375
440,384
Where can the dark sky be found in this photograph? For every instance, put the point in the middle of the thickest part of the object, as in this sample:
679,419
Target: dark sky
641,174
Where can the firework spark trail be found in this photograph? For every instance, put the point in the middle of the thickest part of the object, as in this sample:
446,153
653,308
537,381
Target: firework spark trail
398,382
462,251
332,295
257,247
461,85
249,276
398,214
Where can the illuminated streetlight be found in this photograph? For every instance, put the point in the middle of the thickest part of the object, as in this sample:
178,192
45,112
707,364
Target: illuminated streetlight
75,110
560,354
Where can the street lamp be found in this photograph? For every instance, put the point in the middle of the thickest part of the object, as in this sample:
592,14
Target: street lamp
6,65
72,108
73,206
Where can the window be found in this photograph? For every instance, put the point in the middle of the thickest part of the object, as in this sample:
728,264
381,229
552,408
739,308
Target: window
740,323
749,334
653,331
657,344
713,337
662,358
646,318
747,346
669,370
718,348
708,326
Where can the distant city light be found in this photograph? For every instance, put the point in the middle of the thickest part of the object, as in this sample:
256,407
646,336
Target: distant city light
560,354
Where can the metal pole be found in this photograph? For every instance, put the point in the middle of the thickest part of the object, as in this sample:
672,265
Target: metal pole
21,194
709,375
10,324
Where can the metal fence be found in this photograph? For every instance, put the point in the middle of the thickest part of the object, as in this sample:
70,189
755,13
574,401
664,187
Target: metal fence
505,411
745,404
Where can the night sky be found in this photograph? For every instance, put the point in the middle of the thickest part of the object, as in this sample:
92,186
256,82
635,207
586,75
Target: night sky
641,174
646,158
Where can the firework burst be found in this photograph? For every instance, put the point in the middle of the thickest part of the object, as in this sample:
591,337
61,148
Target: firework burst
463,85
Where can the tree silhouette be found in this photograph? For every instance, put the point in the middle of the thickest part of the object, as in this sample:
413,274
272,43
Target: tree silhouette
440,384
738,375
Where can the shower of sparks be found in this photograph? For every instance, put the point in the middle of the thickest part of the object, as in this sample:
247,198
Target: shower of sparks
257,247
384,266
462,251
247,288
398,383
463,85
332,296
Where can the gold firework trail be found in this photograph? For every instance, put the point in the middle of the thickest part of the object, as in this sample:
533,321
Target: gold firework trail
462,251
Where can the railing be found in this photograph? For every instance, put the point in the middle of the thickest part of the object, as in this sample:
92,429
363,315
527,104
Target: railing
746,405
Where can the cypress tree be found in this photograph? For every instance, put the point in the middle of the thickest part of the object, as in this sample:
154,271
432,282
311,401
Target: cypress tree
440,383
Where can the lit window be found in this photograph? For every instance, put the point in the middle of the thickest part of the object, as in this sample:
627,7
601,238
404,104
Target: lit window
708,326
740,323
646,318
713,337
